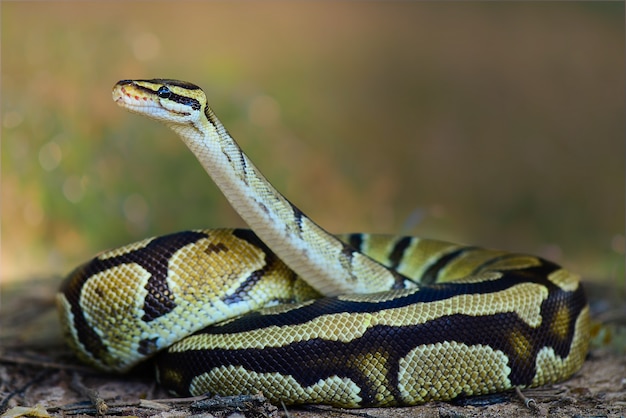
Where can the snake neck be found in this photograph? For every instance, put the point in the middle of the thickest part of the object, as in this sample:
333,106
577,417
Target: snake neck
330,266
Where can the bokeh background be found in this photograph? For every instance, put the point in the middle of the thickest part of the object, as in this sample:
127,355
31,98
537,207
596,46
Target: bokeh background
496,124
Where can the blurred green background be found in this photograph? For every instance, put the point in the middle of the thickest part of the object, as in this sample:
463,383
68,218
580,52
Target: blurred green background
496,124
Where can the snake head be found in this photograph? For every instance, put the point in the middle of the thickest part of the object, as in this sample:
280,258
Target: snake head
169,101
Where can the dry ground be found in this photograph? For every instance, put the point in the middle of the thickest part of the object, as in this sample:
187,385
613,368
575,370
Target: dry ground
37,370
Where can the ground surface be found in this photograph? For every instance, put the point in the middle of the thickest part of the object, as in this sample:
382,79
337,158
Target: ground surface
36,370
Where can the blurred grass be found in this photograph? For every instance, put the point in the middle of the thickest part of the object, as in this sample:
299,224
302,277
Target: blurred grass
498,124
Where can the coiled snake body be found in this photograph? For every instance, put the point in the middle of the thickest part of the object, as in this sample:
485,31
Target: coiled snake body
304,316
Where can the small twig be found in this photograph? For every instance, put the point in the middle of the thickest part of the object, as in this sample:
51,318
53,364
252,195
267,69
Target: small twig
91,394
327,408
189,399
150,404
287,415
234,402
91,410
529,402
5,402
86,407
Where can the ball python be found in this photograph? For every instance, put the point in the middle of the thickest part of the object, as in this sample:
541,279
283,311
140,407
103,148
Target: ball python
304,316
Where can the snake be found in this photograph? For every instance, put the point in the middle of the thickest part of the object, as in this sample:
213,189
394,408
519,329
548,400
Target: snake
304,316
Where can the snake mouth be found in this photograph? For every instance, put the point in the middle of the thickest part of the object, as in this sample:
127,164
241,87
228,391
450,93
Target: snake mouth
119,99
121,95
134,100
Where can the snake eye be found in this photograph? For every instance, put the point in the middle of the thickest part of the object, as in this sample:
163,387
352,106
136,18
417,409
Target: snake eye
164,92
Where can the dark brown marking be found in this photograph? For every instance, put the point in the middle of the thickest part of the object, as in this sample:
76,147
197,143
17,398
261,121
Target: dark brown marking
242,292
147,346
349,252
397,254
212,119
85,334
216,248
493,260
400,281
297,216
154,258
432,272
264,207
244,166
356,241
250,237
227,157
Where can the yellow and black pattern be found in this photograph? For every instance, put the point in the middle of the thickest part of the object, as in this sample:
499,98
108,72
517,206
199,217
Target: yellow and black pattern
232,311
128,303
397,348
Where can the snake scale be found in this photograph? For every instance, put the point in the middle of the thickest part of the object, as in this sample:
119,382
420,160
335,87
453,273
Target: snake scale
303,316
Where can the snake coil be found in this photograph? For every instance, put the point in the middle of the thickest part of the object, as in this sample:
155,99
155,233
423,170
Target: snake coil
304,316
